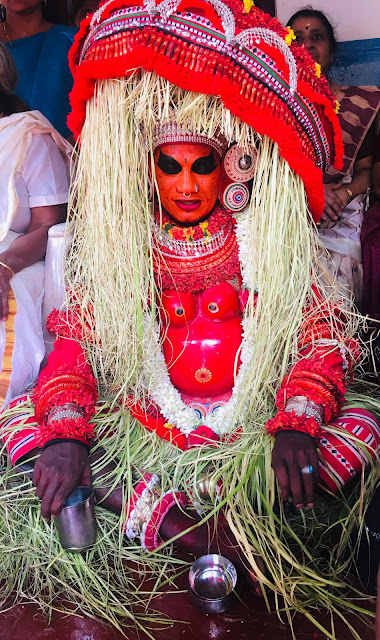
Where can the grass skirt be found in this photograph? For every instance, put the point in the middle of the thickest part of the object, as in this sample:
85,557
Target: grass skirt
307,554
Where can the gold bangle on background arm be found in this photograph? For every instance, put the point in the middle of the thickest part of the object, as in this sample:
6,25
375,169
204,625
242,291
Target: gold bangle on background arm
351,195
6,267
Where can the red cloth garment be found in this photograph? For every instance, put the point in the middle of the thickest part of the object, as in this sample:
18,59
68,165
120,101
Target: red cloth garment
66,378
341,457
21,442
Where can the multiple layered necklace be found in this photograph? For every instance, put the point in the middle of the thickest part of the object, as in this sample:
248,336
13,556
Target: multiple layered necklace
195,257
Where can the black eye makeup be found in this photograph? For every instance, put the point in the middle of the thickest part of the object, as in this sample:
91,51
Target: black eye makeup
168,165
204,166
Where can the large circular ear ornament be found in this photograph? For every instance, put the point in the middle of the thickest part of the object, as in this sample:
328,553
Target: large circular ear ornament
235,197
239,163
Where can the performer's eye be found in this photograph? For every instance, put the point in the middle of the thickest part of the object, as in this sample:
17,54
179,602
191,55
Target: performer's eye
179,311
168,165
205,165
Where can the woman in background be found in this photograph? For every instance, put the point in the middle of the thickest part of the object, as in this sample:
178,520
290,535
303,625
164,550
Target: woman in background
34,163
345,190
40,49
80,9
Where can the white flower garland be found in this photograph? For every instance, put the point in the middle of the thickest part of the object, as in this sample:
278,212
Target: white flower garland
162,390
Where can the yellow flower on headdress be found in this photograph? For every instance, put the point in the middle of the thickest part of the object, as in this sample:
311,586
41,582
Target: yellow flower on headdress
248,4
318,70
290,36
337,107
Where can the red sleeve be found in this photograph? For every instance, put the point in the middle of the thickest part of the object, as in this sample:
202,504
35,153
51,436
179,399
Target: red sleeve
67,377
321,374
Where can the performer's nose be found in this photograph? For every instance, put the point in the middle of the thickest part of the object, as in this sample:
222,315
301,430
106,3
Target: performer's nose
186,183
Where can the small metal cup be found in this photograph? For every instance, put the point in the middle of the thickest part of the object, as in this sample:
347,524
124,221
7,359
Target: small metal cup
76,524
212,581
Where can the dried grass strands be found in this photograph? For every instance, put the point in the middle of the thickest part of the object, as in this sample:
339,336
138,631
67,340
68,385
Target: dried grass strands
109,264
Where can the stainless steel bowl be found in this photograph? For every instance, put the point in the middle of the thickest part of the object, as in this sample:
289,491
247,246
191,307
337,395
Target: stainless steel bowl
212,581
76,524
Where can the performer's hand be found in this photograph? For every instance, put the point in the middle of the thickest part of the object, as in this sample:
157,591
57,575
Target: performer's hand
60,468
293,452
5,276
336,199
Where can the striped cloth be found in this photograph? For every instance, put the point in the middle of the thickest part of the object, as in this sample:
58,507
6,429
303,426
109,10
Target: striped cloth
358,109
343,454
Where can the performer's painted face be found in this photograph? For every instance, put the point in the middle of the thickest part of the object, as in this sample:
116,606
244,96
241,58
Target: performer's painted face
188,179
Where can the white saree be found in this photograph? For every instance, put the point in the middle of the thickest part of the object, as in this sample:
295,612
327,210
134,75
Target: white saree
34,172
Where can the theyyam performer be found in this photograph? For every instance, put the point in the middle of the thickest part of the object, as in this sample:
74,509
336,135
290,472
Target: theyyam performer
203,356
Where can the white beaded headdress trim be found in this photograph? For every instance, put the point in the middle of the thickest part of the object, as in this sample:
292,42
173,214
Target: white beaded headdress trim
170,131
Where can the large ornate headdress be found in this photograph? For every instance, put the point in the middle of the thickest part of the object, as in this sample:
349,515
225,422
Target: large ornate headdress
224,76
215,48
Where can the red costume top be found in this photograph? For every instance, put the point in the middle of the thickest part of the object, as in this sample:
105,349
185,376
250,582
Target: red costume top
202,335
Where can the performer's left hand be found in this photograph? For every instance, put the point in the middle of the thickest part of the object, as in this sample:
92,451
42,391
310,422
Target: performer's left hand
60,468
294,455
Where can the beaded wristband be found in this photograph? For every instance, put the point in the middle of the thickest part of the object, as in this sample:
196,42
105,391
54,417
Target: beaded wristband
71,440
350,194
143,501
68,410
302,406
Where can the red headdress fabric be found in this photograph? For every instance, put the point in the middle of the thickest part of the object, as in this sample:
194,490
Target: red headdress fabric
213,47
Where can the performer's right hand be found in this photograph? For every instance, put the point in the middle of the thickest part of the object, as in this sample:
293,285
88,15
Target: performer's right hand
60,468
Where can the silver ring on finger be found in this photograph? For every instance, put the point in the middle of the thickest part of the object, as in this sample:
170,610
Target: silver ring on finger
308,469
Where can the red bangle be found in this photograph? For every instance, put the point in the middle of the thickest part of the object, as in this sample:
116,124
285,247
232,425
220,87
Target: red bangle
66,386
308,382
150,538
326,375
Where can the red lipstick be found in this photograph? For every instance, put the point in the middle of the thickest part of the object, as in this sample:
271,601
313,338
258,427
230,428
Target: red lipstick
188,205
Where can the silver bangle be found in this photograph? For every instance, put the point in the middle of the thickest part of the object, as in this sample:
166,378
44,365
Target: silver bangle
69,410
302,406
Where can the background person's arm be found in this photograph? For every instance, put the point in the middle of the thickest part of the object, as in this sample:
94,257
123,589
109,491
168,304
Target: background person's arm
27,248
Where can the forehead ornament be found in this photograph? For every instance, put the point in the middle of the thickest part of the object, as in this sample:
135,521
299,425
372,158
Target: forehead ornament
170,131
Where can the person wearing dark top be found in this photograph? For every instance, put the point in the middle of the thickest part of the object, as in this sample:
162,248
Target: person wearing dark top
39,49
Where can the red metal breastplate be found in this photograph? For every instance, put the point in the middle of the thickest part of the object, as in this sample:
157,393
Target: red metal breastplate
202,334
